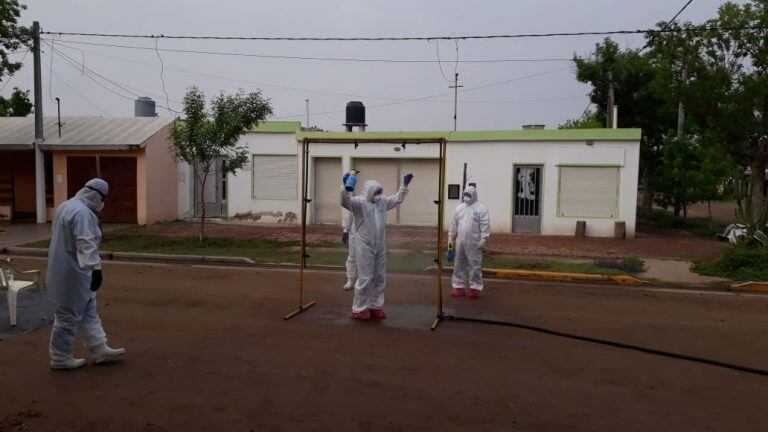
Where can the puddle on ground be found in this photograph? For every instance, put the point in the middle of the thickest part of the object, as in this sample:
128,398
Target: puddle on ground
398,316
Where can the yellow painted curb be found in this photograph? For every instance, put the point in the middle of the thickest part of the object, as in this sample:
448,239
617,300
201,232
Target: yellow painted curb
751,286
564,277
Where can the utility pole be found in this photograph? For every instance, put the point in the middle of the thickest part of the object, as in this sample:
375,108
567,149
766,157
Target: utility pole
455,88
680,107
39,161
307,108
610,104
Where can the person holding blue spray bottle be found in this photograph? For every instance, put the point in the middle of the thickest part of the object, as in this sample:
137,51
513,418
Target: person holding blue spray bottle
369,212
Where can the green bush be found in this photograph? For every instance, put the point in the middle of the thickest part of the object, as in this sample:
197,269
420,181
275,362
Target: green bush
739,262
697,226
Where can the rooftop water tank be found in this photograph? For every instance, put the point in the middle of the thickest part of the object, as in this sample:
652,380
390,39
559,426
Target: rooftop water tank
144,107
355,115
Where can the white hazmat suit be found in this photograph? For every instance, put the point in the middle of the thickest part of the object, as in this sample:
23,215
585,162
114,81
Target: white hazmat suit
469,232
348,226
73,256
370,219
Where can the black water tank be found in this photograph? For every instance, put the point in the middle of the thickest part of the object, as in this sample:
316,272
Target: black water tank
355,113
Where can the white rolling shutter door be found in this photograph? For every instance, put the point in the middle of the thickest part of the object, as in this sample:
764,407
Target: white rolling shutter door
326,202
589,192
275,177
419,208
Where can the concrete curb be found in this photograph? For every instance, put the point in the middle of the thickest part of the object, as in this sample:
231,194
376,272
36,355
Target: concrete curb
40,252
564,277
761,287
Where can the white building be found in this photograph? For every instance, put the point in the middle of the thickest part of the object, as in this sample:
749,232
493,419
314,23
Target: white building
533,181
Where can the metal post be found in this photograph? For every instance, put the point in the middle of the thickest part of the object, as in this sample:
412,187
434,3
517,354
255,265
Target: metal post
303,261
455,88
440,313
307,120
611,102
39,160
615,117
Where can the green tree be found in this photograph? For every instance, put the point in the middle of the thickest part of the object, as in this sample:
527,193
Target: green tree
640,106
206,137
691,170
17,105
12,38
590,120
738,105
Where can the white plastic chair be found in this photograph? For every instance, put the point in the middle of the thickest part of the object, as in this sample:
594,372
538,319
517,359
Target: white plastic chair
13,287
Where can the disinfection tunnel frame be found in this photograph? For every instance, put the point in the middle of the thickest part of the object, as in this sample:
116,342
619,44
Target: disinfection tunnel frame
440,202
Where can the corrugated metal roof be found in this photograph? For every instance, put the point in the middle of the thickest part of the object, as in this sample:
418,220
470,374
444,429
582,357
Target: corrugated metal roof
81,133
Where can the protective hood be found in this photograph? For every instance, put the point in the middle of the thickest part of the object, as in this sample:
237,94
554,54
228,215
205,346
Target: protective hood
94,193
473,192
370,188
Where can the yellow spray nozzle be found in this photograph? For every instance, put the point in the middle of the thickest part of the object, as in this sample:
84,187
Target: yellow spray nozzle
354,171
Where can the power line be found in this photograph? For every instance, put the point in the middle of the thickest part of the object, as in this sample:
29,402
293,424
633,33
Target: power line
439,94
223,77
162,75
332,59
406,38
89,73
647,44
82,96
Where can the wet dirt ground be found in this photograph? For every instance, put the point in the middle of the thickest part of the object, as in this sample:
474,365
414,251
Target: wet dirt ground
208,350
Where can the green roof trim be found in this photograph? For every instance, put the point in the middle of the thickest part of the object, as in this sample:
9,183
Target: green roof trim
277,127
501,135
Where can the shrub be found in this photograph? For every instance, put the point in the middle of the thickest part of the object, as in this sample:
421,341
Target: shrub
739,262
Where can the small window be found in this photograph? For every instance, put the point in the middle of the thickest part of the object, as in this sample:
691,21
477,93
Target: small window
275,177
454,191
589,192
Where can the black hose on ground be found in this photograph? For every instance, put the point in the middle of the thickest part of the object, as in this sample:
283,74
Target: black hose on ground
669,354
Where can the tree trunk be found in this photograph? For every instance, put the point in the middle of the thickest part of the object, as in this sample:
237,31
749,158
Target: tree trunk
677,210
647,194
202,206
709,209
757,179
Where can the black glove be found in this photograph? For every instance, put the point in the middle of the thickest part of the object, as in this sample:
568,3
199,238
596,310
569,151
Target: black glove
345,238
96,280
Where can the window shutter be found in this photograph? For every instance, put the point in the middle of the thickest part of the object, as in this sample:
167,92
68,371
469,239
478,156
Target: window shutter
275,177
589,192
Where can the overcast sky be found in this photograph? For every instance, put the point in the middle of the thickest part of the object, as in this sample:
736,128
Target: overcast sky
549,98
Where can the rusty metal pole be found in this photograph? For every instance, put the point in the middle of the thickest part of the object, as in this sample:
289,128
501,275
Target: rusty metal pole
303,261
439,312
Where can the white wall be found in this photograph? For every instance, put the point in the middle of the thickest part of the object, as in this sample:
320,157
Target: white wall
185,179
240,201
489,164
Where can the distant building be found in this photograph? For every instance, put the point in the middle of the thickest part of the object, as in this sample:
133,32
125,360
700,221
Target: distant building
533,181
132,154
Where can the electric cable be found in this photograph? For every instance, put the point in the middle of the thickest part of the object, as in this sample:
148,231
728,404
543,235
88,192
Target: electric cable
332,59
408,38
615,344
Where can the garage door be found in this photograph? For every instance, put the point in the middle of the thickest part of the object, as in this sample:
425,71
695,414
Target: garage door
419,207
327,183
118,172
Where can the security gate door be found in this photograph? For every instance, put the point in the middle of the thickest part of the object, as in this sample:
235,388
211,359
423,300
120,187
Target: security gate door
527,200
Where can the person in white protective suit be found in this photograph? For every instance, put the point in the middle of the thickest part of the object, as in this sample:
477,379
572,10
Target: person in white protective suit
469,233
348,237
74,276
369,212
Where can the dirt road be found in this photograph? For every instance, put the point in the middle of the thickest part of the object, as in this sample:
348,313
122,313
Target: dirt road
208,350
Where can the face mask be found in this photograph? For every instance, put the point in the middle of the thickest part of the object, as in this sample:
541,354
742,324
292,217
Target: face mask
376,198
